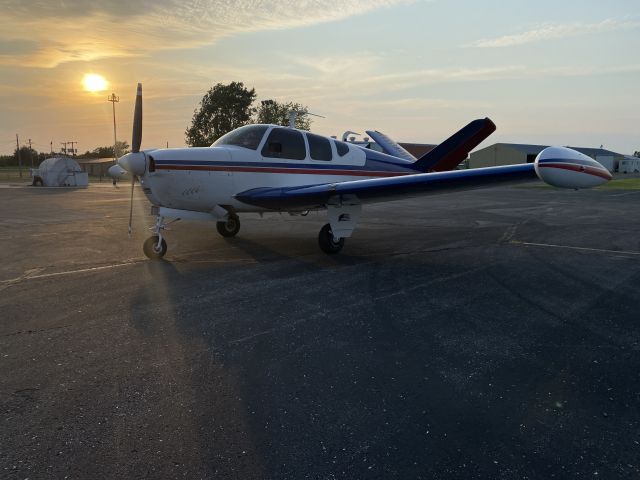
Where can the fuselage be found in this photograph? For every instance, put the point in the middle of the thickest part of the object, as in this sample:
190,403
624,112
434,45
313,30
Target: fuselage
258,156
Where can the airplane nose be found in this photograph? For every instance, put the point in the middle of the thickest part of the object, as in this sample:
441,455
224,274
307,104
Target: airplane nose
134,163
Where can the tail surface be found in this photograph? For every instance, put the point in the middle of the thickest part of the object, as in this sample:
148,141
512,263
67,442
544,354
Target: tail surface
448,155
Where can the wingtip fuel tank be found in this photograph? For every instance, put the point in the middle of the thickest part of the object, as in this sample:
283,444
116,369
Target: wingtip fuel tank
567,168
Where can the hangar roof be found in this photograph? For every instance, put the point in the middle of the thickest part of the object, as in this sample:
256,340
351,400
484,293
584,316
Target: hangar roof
591,152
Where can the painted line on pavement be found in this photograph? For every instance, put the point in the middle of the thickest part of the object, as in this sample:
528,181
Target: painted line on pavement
569,247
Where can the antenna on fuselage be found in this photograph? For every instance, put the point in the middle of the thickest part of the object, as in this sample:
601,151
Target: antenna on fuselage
293,115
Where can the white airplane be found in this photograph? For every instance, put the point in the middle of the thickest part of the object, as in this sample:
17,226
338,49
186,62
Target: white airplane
263,168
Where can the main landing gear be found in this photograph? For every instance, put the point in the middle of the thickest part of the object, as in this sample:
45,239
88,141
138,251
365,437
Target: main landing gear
343,218
344,214
229,227
327,242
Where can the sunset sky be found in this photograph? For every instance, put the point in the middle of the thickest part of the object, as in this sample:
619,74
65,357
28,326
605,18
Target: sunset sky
546,72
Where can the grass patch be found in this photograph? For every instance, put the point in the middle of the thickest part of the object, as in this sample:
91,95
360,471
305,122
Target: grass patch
615,184
13,174
621,184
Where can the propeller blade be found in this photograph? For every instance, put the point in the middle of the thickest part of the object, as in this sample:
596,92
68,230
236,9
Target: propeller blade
133,182
136,138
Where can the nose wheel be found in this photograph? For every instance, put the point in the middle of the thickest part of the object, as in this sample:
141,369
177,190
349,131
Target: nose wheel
154,247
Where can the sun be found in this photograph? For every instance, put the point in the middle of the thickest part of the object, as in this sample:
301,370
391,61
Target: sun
92,82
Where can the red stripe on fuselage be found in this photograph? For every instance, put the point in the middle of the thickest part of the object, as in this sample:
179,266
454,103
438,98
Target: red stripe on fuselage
578,168
299,171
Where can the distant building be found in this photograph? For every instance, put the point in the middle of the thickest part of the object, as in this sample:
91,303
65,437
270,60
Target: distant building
417,149
59,172
514,153
96,167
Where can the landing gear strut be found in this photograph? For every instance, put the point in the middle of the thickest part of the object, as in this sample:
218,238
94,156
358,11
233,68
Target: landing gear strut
328,243
155,246
229,227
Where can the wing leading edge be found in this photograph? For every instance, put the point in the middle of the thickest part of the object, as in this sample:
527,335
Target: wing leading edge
388,188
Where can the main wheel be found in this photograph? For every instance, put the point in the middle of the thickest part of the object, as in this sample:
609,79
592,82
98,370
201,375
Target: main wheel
229,228
327,243
152,250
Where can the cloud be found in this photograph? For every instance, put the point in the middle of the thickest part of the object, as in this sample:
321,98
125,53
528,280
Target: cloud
51,33
550,32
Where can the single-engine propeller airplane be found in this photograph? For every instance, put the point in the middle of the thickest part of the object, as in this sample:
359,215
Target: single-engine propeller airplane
262,168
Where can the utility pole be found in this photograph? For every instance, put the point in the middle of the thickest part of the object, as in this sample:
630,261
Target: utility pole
73,152
51,145
64,148
19,159
30,153
114,99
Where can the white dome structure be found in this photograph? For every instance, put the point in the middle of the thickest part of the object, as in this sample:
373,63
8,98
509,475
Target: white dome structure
60,172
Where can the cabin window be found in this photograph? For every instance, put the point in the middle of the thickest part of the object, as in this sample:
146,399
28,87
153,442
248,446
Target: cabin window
285,143
248,136
342,148
319,147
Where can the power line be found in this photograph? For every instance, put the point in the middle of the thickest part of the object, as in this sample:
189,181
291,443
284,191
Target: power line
66,150
114,99
19,156
30,153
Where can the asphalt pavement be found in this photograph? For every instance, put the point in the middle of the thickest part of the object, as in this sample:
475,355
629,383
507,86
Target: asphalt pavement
486,334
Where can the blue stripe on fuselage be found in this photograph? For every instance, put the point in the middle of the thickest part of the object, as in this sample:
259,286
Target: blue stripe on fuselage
375,162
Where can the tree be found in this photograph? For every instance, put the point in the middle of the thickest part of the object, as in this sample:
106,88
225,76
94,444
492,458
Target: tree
122,147
222,109
277,113
28,156
107,152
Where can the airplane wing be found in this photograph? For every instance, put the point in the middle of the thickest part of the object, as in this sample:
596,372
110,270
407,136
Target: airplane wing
388,188
390,146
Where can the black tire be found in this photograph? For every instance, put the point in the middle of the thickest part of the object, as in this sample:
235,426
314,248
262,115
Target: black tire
37,182
150,248
229,228
327,242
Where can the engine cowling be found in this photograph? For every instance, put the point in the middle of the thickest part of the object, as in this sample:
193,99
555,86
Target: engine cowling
567,168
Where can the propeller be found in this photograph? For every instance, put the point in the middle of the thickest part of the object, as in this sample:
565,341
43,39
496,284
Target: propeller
136,137
135,162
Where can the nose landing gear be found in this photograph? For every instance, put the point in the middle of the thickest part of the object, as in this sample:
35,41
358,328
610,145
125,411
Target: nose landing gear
155,246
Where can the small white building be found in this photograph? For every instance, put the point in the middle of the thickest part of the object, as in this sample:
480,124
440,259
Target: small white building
629,165
60,172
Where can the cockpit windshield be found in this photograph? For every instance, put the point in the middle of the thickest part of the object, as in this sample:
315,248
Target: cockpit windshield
248,136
